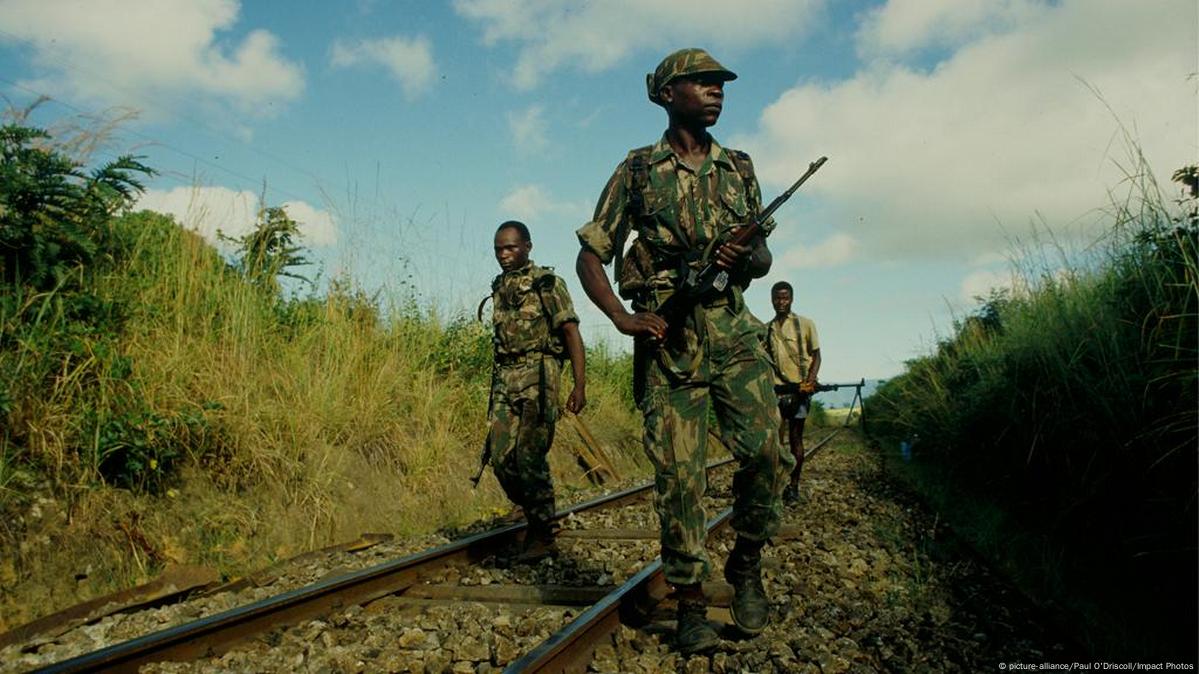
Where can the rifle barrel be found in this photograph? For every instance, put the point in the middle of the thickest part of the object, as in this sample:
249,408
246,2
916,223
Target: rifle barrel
782,198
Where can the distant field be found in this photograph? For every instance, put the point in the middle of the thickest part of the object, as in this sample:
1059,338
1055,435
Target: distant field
844,396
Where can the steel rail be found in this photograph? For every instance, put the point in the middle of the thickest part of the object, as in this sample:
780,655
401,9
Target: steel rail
823,441
217,633
572,648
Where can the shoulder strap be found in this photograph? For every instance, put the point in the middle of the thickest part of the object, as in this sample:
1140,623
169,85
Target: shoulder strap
541,284
545,279
637,165
745,168
798,328
495,285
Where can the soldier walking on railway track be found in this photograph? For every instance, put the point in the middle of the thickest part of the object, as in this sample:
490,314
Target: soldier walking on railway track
535,330
795,350
683,196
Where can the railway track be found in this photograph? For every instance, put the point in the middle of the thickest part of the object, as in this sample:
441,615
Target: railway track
860,579
590,600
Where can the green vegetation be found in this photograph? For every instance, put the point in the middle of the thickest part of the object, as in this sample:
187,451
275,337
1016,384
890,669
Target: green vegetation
817,415
1057,426
160,403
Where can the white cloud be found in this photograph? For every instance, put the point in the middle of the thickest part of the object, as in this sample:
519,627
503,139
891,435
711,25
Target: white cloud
979,283
233,212
528,129
529,202
318,226
834,251
409,60
902,26
525,201
595,36
958,160
161,54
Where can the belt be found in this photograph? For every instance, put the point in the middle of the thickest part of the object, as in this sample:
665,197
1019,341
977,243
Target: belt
517,358
723,299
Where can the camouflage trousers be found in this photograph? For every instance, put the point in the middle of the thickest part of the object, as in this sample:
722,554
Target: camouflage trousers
524,407
726,370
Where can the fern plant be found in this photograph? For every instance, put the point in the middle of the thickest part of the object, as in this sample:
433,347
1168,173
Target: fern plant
53,215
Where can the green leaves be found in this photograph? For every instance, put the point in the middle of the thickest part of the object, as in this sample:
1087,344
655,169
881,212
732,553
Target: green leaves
271,251
53,216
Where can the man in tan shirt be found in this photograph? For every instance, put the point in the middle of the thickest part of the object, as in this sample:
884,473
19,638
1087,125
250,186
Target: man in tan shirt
795,350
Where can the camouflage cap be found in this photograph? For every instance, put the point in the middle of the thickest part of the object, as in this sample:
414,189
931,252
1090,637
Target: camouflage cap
689,61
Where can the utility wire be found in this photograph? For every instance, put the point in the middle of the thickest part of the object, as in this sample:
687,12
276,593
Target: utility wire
157,143
170,111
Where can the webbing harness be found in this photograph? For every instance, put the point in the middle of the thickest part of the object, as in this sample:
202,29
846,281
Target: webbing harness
638,186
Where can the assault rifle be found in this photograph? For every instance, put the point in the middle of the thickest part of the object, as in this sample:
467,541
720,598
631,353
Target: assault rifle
485,458
711,278
483,461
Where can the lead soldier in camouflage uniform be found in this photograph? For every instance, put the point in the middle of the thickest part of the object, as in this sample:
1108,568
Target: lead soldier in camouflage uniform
681,197
535,329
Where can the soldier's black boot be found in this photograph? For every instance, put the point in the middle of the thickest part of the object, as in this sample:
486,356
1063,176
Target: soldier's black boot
743,571
694,633
791,494
539,543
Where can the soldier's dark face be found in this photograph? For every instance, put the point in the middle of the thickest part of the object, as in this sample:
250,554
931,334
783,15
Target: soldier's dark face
511,251
781,299
695,98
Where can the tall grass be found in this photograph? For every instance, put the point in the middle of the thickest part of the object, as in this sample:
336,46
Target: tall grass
1070,403
169,410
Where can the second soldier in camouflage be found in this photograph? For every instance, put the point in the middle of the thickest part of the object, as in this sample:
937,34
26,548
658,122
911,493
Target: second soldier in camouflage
535,329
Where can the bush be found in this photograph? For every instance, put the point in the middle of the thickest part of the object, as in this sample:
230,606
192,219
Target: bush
54,217
1074,404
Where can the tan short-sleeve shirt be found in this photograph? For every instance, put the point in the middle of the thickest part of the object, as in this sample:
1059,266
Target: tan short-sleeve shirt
792,341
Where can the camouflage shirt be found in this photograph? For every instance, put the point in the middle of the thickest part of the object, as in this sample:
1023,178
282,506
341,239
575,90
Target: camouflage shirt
530,306
683,211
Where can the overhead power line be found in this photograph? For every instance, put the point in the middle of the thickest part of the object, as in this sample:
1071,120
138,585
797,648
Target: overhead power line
169,111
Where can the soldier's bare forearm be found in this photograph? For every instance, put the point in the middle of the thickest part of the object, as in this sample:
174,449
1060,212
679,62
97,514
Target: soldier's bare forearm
576,352
595,282
596,285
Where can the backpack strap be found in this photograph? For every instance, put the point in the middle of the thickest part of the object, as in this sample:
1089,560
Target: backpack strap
495,285
540,285
637,168
770,338
745,168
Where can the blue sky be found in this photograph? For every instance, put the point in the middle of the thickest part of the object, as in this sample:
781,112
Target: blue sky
401,133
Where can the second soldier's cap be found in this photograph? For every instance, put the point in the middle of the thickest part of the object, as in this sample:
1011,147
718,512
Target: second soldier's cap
691,61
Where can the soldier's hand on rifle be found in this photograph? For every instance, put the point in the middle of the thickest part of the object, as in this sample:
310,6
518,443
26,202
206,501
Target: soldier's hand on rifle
807,387
577,399
641,324
729,255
